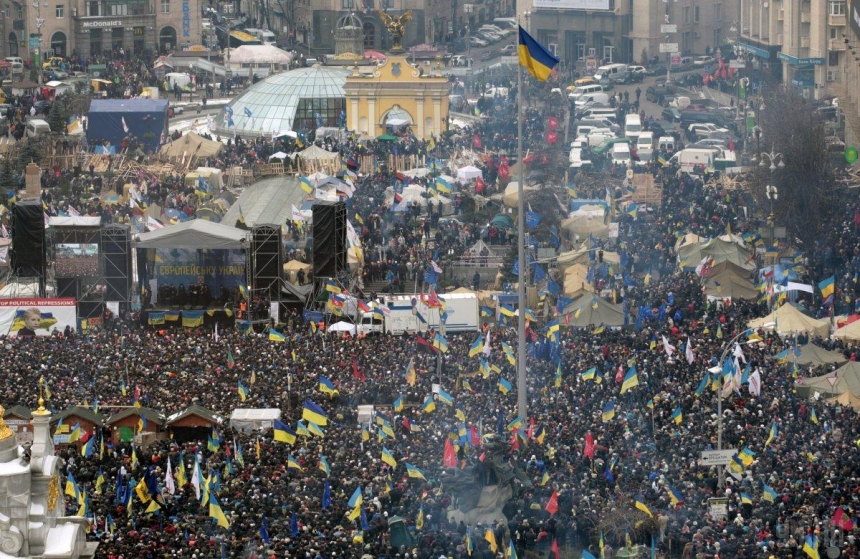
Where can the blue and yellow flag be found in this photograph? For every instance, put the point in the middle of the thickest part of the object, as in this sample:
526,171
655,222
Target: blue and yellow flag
283,433
243,391
640,505
746,499
414,472
677,415
477,347
293,464
388,458
445,397
398,404
327,387
631,379
504,386
535,58
608,411
323,465
769,494
276,336
314,413
429,404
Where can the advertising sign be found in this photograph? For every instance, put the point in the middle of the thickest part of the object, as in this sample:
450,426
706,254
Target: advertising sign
668,47
854,17
572,4
36,317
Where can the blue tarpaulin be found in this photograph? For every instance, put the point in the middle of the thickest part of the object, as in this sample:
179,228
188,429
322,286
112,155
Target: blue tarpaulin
146,119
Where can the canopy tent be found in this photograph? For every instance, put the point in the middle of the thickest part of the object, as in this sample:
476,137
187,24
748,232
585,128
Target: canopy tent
259,55
844,379
511,195
851,332
190,146
447,206
726,266
811,354
468,174
250,419
293,267
267,202
317,160
342,327
720,250
585,225
580,256
193,235
502,220
593,311
576,279
729,286
788,319
687,240
846,399
417,173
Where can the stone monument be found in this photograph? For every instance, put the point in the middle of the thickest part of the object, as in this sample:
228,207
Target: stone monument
32,521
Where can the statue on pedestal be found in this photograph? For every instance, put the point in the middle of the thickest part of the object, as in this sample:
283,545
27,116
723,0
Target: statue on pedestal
396,26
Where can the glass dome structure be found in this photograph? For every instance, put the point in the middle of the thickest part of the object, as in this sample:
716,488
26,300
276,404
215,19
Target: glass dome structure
300,100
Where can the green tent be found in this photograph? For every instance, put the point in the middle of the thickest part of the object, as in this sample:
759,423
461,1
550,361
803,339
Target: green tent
387,138
502,220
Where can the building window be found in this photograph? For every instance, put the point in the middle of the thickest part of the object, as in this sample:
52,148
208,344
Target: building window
837,8
833,58
347,4
833,34
165,6
118,9
696,14
60,11
718,12
686,14
94,9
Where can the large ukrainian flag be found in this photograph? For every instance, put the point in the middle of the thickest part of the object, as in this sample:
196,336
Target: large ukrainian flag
534,57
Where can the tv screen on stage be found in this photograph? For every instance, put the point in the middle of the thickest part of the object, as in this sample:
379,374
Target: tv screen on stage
77,259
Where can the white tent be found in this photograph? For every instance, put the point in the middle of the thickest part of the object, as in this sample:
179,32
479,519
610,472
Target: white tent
418,172
259,54
468,173
251,419
342,327
193,235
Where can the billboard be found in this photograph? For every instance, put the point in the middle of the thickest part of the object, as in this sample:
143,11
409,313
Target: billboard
572,4
854,17
36,317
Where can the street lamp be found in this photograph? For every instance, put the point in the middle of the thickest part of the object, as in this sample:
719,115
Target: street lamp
773,161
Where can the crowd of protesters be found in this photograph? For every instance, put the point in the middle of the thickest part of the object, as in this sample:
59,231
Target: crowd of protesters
587,447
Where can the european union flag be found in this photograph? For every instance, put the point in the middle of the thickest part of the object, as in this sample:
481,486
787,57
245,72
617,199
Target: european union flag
248,112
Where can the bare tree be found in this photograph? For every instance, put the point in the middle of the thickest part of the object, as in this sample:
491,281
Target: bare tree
807,190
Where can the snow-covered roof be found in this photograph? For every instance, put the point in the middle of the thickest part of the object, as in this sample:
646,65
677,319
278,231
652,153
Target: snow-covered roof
60,540
259,54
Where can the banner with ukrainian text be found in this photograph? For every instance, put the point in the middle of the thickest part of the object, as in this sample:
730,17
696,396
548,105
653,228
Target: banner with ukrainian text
183,267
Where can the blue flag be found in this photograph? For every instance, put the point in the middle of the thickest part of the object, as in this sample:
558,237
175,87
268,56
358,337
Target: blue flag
294,525
326,498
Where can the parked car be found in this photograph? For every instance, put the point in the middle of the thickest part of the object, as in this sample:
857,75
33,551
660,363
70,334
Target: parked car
173,111
656,70
663,128
659,93
672,114
635,74
42,106
52,74
509,50
710,143
701,130
477,42
703,61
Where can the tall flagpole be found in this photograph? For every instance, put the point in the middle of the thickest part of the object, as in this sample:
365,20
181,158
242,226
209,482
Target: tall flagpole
522,389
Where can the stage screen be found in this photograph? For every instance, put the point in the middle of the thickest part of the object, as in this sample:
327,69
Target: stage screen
77,259
36,317
183,267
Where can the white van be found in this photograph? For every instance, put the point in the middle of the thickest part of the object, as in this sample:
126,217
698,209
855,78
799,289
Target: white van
607,113
666,144
591,98
584,90
621,154
645,147
506,22
370,324
632,126
615,72
17,64
37,127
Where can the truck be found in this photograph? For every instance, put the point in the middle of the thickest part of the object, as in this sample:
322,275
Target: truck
695,160
410,314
